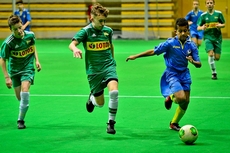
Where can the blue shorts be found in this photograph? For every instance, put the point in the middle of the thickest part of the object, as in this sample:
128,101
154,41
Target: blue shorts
172,82
196,34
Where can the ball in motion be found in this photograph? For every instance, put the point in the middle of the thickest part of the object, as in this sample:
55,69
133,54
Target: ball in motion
188,134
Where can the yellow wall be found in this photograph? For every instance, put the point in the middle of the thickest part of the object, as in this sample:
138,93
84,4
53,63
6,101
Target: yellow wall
184,6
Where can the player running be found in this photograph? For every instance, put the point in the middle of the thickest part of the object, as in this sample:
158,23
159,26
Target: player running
20,52
176,79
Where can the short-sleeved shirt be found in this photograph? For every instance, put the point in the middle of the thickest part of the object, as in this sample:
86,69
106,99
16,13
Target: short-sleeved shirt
25,16
176,76
19,53
97,45
192,16
211,20
175,53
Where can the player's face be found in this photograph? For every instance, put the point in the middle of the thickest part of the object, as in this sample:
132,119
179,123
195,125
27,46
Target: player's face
182,33
98,22
17,30
210,5
195,5
20,6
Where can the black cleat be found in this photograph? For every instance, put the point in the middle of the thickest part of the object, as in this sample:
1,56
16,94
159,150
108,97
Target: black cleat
21,124
110,127
89,105
214,76
168,102
174,126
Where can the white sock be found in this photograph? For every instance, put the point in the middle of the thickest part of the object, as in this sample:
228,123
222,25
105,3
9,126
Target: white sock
24,105
92,98
113,104
212,64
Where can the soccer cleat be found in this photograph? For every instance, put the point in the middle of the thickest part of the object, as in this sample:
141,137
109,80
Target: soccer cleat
110,127
214,76
21,124
89,105
168,102
174,126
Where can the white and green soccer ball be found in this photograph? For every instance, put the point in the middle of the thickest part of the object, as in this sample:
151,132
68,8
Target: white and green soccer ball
188,134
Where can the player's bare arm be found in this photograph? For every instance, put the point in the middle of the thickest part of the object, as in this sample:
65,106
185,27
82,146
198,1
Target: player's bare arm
76,51
38,65
6,75
143,54
219,25
197,64
112,50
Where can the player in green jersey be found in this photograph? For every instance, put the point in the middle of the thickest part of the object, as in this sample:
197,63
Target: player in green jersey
99,62
211,22
20,52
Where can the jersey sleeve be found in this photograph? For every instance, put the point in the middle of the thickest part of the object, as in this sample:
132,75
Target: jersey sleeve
195,53
188,16
5,51
28,16
221,19
161,48
80,36
200,21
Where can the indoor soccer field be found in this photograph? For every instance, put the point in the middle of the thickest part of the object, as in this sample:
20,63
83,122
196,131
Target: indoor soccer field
57,120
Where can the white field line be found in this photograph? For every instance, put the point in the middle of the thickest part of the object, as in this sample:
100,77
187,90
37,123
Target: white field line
120,96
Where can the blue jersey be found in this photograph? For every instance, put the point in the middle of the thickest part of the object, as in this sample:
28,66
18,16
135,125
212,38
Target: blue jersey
176,76
192,16
25,16
175,53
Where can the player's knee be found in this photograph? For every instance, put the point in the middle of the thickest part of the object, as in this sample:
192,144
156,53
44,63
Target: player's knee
184,105
113,94
180,99
217,58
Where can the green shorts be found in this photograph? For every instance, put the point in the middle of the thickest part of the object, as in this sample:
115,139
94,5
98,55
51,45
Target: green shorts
98,82
213,45
27,76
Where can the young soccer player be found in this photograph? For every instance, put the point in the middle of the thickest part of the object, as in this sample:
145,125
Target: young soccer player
176,79
99,61
192,18
211,22
20,52
24,14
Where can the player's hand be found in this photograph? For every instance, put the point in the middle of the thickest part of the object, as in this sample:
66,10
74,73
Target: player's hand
132,57
204,27
189,58
8,82
38,66
77,54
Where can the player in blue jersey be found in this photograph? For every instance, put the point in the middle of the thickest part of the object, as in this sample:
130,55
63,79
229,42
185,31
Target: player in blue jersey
19,51
176,79
99,61
24,14
192,18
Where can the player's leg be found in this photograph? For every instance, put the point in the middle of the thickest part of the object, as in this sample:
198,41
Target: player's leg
199,38
194,39
180,111
96,97
24,103
211,58
113,104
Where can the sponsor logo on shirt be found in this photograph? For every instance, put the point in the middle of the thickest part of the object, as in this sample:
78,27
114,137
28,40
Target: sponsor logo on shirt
23,53
211,25
98,46
176,46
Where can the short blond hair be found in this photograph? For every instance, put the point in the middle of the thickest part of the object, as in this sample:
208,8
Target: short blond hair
98,9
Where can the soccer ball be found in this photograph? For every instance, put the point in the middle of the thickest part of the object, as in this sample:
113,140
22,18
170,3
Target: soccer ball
188,134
